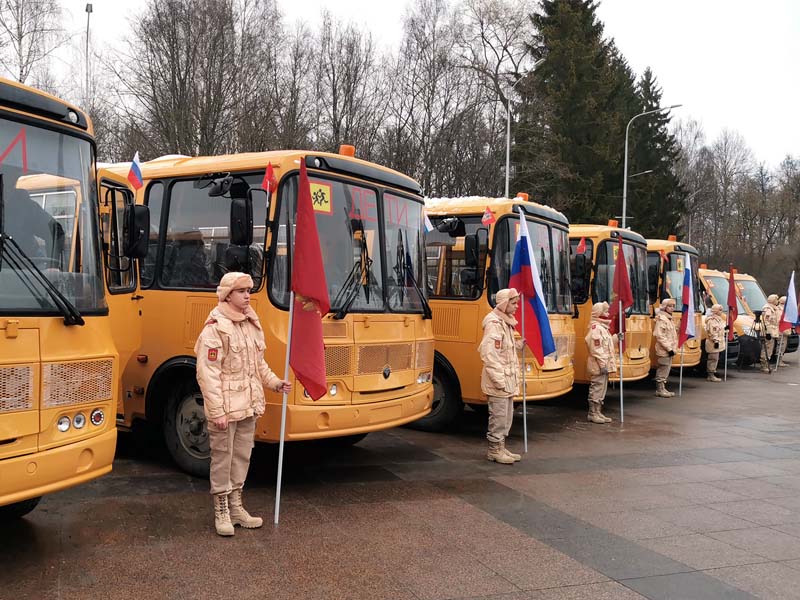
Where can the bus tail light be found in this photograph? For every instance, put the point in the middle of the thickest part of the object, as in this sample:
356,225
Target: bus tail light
97,417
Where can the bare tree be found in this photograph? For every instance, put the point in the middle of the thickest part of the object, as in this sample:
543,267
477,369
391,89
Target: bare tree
32,31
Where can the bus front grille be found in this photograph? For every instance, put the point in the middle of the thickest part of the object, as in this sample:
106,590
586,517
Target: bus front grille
337,360
67,383
374,359
16,388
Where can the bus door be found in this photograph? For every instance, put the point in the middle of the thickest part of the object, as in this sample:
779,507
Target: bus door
124,302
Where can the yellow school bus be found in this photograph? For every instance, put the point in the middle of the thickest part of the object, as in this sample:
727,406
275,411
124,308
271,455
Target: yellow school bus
378,336
58,366
665,263
714,288
592,281
468,262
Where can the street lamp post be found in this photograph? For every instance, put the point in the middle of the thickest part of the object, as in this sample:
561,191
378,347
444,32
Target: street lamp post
625,171
88,14
508,122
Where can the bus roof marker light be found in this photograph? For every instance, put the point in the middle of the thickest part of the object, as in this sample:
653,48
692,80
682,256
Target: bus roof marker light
347,150
522,196
613,223
672,237
72,116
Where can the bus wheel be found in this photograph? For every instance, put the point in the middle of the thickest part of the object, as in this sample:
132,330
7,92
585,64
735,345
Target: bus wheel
185,430
9,512
446,406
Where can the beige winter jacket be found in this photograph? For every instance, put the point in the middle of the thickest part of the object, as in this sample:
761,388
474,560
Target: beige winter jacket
600,343
715,332
665,333
771,317
231,369
500,376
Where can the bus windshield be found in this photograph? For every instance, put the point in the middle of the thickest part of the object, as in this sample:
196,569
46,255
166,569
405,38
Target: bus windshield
358,226
49,199
635,260
719,290
753,294
551,252
673,280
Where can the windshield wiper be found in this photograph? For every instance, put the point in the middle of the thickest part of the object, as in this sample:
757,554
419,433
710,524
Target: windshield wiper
405,271
26,268
360,273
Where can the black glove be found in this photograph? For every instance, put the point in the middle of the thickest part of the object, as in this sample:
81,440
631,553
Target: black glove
716,345
769,337
671,353
727,328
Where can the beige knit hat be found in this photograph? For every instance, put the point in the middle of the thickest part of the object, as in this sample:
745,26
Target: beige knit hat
668,302
599,309
233,281
772,299
503,296
716,309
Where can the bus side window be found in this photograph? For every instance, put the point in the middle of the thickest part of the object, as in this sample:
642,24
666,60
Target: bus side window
147,266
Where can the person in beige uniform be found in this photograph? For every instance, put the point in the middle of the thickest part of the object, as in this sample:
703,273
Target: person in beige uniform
602,360
716,327
666,337
500,377
232,374
784,338
770,319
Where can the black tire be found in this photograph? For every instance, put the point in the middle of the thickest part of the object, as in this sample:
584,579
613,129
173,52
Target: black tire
10,512
447,403
185,432
481,409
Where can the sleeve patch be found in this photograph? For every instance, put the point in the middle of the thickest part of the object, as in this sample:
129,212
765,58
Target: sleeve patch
597,343
212,354
498,344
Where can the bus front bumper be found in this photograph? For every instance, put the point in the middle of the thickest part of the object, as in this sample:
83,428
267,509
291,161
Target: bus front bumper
309,422
633,371
40,473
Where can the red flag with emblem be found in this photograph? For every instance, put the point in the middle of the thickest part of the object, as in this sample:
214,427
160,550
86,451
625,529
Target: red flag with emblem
269,182
733,309
488,217
621,291
311,302
581,246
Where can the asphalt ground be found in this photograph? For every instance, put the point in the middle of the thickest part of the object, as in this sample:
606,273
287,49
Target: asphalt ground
694,497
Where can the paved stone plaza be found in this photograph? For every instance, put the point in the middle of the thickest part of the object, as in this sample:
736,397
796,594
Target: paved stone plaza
694,497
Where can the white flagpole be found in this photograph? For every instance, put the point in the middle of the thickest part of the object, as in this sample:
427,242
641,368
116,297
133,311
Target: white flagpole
524,386
621,378
283,412
680,377
285,399
727,342
780,349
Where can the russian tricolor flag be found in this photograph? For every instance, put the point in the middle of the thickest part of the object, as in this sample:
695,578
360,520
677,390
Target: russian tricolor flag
525,278
789,316
687,329
135,174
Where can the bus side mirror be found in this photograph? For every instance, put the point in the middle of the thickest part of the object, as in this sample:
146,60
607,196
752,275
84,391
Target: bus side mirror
135,230
652,281
241,225
580,279
471,251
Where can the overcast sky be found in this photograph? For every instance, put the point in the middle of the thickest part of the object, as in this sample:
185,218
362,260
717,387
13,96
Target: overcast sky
731,63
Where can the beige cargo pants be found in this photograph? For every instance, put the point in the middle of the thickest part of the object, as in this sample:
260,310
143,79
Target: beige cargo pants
501,414
712,362
663,368
230,454
597,389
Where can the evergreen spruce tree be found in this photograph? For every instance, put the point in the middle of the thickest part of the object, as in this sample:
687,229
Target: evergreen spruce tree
570,135
655,200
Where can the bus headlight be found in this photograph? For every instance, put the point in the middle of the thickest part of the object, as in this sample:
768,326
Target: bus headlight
334,390
63,423
424,377
528,368
79,421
